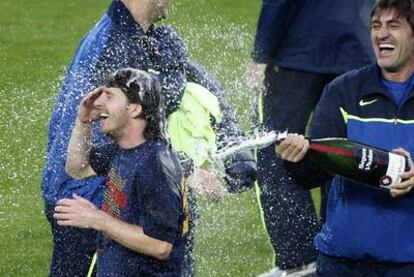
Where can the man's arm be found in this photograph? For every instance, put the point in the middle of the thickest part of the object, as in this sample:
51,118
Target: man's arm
77,159
275,18
79,212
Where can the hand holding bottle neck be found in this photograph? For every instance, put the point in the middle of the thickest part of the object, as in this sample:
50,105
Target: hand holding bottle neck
293,147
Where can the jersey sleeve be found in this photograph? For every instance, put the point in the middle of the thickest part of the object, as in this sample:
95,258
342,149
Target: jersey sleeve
161,197
275,18
101,156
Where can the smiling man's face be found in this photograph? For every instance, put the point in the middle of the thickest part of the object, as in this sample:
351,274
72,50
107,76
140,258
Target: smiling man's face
113,105
393,41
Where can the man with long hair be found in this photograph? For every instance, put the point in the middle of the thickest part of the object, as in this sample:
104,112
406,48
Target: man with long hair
141,222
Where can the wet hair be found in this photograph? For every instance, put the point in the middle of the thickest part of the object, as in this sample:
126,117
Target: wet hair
142,88
403,8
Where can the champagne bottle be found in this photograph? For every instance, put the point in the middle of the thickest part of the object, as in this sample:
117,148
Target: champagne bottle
350,159
359,162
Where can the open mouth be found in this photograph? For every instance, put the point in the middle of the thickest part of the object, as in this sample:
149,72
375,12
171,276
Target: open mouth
386,48
104,116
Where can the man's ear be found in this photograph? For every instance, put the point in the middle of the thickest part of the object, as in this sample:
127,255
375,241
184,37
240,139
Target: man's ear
135,110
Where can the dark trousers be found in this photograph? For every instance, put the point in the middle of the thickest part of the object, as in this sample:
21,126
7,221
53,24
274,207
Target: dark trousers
189,269
289,213
341,267
73,248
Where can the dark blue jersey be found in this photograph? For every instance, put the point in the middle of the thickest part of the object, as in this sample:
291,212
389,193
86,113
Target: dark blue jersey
143,187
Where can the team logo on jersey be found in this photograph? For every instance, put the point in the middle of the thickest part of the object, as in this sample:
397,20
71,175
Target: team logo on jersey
115,198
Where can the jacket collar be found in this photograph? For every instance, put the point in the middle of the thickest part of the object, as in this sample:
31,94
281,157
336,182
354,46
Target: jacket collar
122,18
372,84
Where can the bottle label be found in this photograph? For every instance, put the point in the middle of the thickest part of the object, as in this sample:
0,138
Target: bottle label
396,166
367,159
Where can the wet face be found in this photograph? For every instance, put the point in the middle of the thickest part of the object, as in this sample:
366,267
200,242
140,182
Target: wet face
393,41
113,106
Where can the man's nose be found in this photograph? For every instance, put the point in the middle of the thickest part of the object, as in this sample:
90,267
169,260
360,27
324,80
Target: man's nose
383,33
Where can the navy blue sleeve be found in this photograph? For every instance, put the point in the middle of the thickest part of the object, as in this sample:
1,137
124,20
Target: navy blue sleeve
101,156
241,171
170,55
274,20
160,197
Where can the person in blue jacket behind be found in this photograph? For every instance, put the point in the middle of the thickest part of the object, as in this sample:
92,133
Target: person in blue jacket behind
368,231
300,46
125,36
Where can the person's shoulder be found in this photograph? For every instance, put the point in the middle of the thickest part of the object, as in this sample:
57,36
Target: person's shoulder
163,161
171,48
347,87
355,76
162,149
166,156
158,144
149,155
168,34
166,29
159,147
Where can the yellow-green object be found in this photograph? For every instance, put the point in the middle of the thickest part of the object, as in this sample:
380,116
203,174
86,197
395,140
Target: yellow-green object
190,128
93,264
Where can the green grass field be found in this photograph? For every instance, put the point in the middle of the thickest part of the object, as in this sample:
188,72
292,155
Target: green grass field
37,41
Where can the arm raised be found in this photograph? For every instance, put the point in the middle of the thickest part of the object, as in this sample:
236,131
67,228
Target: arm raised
77,158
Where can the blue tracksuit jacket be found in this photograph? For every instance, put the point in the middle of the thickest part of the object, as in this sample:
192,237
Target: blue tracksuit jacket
365,222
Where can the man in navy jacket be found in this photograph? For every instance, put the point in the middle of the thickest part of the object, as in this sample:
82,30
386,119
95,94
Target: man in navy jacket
368,231
300,46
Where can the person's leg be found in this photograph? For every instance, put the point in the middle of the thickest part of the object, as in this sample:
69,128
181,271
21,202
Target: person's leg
189,259
73,248
288,209
289,214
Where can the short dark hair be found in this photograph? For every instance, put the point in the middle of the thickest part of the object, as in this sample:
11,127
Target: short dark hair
142,88
404,9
